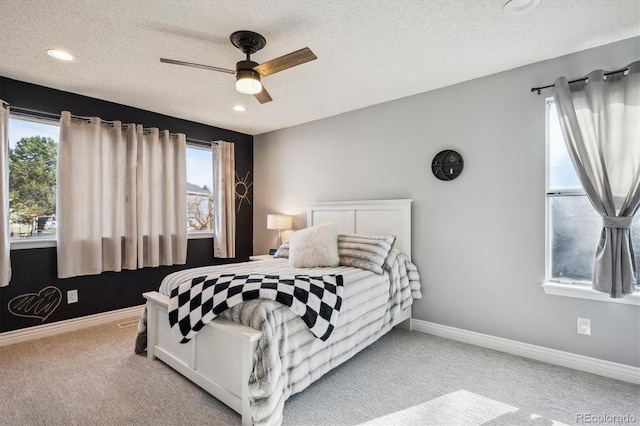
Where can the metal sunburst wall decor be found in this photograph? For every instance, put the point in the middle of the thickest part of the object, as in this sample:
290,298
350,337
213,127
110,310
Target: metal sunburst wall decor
242,189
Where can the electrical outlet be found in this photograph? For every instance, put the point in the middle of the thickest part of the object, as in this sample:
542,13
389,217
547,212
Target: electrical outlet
584,326
72,296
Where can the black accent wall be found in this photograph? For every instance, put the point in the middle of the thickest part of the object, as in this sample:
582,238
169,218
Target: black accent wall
33,270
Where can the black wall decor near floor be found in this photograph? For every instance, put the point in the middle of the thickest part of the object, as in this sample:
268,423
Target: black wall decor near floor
35,295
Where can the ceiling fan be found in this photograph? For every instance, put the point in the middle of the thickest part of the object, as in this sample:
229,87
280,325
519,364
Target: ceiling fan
248,72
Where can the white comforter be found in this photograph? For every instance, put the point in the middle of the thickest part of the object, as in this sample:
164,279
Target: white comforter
289,358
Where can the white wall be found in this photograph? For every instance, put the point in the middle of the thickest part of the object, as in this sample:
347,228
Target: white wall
479,240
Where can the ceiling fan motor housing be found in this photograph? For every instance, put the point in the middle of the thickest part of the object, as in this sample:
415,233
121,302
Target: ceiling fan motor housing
246,66
244,69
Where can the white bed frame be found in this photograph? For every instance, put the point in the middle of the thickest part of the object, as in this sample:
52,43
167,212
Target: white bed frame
219,358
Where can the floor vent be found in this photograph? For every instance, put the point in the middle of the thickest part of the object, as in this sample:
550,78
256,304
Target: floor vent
126,324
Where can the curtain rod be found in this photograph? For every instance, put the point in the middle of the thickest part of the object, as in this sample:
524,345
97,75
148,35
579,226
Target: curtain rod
201,142
538,89
33,112
42,114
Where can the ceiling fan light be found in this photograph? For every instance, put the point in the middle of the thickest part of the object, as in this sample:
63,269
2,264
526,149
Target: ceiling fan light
248,82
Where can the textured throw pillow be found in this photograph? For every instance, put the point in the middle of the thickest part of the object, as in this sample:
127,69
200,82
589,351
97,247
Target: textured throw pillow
283,251
365,251
314,246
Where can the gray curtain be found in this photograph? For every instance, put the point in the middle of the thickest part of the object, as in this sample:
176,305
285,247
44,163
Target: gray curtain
122,194
600,120
5,249
224,200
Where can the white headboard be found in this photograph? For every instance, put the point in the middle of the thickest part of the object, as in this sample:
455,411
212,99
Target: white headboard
381,217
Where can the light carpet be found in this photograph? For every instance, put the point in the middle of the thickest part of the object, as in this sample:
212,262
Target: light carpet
92,376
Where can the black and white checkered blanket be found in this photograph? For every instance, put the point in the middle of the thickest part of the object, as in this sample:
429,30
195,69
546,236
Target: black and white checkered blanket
316,299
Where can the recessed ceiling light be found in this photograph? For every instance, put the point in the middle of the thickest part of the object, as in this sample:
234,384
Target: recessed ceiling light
60,55
239,108
518,6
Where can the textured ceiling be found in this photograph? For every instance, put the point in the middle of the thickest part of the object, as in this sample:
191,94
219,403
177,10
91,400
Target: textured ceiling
369,51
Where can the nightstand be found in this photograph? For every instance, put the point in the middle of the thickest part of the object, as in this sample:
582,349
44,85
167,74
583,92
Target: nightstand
261,257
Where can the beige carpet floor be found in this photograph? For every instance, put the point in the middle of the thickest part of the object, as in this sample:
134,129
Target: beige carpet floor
92,377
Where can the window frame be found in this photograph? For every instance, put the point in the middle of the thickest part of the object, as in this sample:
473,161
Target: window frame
34,242
568,287
194,235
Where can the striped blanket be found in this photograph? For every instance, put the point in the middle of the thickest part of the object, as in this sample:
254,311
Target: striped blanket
288,357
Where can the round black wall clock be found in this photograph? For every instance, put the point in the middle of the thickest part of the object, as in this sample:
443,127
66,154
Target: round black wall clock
447,165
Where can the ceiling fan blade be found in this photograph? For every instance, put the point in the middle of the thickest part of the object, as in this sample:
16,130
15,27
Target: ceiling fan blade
191,64
284,62
263,96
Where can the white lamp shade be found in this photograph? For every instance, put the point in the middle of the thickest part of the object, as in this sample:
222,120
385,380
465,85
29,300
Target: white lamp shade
279,222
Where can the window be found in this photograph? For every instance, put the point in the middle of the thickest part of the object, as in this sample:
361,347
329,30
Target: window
33,151
199,189
573,224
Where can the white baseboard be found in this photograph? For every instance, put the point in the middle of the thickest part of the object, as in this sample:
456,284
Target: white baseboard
45,330
601,367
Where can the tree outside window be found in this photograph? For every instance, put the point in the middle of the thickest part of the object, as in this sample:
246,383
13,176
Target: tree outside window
199,208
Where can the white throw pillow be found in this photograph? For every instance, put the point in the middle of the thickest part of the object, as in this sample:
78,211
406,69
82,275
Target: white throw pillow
314,246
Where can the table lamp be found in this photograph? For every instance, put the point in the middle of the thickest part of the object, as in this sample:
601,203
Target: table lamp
281,223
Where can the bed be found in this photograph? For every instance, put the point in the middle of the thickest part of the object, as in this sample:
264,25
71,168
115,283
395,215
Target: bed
255,355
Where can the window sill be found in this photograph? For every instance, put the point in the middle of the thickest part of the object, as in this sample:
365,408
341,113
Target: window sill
585,292
197,235
32,243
